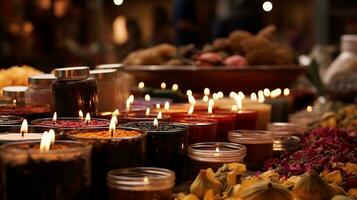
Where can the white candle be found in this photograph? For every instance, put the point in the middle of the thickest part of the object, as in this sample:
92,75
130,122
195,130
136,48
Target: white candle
12,137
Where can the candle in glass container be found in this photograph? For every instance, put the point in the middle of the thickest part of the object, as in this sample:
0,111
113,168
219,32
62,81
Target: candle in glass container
166,146
245,119
144,183
21,135
214,155
10,119
111,149
45,171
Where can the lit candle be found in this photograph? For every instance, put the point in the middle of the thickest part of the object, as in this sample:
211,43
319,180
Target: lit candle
206,92
163,85
80,114
87,120
167,106
191,100
189,92
286,92
147,112
141,85
22,135
175,87
159,115
54,118
112,125
157,106
147,97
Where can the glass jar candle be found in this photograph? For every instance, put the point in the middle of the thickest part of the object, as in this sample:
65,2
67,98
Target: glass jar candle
199,130
12,133
40,89
10,119
214,155
144,183
14,94
74,90
286,129
259,145
63,172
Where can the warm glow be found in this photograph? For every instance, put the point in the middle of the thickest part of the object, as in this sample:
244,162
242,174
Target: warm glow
141,85
120,31
241,95
80,114
260,93
147,112
112,125
215,96
286,92
87,120
191,100
146,179
156,123
266,92
52,135
238,100
309,108
232,94
147,97
275,93
205,98
191,109
175,87
167,105
206,91
210,106
159,115
14,102
127,105
216,152
157,106
116,113
54,118
261,98
24,127
220,94
118,2
131,98
189,92
163,85
267,6
45,144
253,97
234,108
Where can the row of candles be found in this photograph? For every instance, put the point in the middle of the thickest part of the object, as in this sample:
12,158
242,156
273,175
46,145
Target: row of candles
154,136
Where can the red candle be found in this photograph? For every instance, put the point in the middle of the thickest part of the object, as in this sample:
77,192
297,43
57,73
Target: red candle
245,119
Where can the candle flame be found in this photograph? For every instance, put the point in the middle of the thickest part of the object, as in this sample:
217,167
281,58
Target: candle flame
261,98
112,125
147,112
191,100
215,96
147,97
131,98
159,115
253,97
216,152
116,113
205,98
157,106
220,94
189,92
275,93
309,108
14,102
206,91
238,100
45,144
217,149
191,109
156,123
141,85
54,118
52,135
163,85
127,105
266,92
87,120
80,114
260,93
232,94
175,87
286,92
24,127
210,106
167,105
241,95
146,180
234,108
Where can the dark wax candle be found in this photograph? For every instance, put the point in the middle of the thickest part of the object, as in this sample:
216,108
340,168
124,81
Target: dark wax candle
245,119
71,123
125,149
167,144
63,172
279,109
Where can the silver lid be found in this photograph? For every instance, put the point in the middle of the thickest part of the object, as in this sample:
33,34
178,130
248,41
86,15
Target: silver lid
117,66
79,72
103,73
14,91
41,79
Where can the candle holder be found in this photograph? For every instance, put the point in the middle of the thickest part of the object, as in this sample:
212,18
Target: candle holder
27,111
144,183
71,123
61,173
10,119
199,130
286,129
259,145
125,149
167,145
214,155
245,119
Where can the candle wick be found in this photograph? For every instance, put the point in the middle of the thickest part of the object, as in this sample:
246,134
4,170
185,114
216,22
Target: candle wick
112,133
22,133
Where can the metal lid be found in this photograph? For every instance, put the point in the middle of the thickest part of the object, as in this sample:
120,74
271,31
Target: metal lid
41,79
103,73
14,91
117,66
79,72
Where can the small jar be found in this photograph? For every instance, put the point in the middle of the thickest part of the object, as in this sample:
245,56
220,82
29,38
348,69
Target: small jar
74,90
213,155
259,145
144,183
14,94
40,89
286,129
124,81
284,144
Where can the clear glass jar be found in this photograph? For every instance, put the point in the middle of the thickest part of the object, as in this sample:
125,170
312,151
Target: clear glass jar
144,183
259,145
286,129
214,154
40,89
14,94
109,92
124,81
74,90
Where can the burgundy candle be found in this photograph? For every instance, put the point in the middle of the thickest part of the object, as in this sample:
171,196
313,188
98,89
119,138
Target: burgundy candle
245,119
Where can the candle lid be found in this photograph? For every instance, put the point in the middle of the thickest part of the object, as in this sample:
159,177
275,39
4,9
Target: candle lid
103,73
141,178
217,152
41,79
250,136
117,66
14,91
80,72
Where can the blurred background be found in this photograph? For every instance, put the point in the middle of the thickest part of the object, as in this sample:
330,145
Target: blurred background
44,33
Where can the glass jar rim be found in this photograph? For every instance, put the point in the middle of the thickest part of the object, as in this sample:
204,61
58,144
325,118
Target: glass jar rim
70,134
286,128
178,127
141,178
250,136
72,73
217,152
